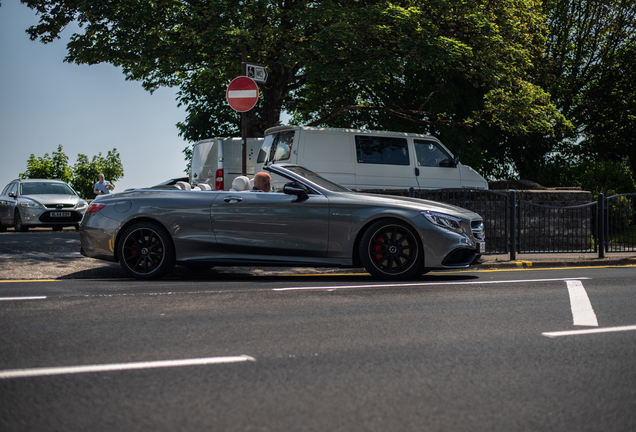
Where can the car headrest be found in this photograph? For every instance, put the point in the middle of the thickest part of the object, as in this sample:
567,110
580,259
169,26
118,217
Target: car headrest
241,183
204,186
184,185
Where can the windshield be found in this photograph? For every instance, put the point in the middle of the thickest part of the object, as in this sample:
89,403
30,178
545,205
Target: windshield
316,178
276,147
45,188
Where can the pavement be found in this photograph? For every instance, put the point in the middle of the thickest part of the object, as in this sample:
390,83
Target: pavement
44,254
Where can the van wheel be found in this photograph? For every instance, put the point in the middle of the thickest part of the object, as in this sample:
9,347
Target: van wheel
146,251
389,249
17,222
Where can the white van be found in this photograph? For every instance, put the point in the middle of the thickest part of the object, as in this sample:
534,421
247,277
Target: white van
360,159
218,161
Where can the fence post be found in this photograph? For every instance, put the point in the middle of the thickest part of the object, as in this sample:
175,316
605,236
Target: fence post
513,225
601,225
411,192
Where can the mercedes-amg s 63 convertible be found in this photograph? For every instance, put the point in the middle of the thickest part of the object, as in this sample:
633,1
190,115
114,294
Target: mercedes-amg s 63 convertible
306,220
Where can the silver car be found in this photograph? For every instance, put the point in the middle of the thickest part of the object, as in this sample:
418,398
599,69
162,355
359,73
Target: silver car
26,203
306,220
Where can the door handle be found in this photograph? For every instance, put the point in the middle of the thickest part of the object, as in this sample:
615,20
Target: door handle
417,171
232,198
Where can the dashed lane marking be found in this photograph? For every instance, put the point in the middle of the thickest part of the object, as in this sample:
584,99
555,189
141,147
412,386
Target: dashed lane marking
65,370
22,298
589,331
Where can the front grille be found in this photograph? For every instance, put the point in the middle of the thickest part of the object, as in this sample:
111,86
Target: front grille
60,206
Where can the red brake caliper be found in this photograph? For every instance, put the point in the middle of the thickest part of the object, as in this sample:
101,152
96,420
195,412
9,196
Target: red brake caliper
377,247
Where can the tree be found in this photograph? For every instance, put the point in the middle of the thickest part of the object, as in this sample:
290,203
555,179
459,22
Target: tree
85,171
81,176
608,111
589,70
47,167
364,62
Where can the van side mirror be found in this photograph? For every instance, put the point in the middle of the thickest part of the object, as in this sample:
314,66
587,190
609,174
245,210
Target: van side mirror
298,189
449,163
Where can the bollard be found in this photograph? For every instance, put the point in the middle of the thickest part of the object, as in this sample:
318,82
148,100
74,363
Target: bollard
513,225
601,225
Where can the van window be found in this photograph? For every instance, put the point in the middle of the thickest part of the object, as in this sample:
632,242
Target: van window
430,154
276,147
382,150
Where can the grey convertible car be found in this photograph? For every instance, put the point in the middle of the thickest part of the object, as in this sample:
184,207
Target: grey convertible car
306,221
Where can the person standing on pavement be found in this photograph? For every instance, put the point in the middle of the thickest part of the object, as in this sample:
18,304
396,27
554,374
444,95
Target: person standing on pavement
103,186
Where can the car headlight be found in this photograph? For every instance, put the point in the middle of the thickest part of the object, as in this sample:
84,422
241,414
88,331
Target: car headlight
30,204
81,204
443,220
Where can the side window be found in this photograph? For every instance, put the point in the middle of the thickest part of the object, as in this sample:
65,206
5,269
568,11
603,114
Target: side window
382,150
429,154
13,188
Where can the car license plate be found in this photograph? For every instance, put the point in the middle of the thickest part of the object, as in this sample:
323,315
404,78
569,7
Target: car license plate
482,247
60,214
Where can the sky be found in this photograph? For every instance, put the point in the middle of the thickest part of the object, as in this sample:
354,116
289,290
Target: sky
45,102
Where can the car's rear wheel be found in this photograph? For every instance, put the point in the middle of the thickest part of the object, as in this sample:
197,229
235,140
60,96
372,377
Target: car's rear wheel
146,251
389,249
17,222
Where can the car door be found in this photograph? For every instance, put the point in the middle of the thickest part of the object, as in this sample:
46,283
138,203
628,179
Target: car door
436,167
271,223
7,204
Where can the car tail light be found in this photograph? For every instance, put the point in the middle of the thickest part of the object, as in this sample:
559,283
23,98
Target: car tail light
219,179
94,208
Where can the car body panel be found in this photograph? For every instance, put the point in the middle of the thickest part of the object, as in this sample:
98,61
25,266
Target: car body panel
322,228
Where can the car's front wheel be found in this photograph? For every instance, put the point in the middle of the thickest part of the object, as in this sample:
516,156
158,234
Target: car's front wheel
146,251
17,222
389,249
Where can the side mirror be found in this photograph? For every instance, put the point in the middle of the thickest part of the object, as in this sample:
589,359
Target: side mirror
12,194
449,163
298,189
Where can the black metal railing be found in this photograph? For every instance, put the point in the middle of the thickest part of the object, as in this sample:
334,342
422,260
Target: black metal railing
518,226
492,206
620,225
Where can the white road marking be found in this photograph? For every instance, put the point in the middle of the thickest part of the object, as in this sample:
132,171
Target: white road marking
582,311
64,370
421,284
22,298
589,331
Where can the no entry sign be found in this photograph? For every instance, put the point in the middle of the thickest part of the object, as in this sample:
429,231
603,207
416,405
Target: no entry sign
242,94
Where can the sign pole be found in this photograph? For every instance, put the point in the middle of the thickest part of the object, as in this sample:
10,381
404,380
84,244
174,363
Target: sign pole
244,115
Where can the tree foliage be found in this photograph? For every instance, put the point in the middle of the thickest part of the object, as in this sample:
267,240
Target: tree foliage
328,61
47,167
82,175
505,83
85,171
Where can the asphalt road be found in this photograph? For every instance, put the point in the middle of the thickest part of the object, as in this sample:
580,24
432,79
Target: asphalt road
448,352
